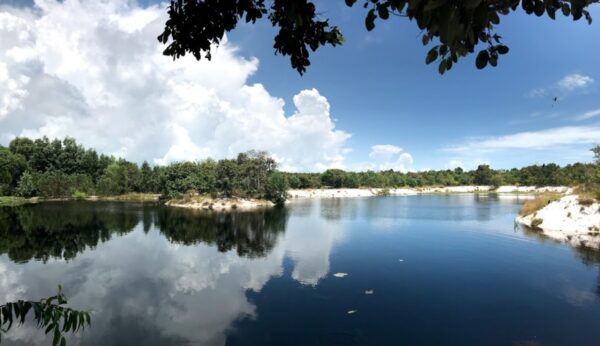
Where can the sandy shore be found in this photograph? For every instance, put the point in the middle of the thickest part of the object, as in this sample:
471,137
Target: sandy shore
225,204
568,221
220,204
349,193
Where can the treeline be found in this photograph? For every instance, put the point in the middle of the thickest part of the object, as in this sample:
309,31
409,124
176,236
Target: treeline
536,175
63,168
59,168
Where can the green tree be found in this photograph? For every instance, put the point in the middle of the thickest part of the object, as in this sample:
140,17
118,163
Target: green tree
483,175
227,177
254,168
596,151
207,176
351,181
148,179
26,186
333,178
454,28
115,180
11,168
23,146
276,188
179,178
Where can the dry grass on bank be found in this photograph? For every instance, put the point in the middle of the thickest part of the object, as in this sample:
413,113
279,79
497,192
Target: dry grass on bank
539,202
588,195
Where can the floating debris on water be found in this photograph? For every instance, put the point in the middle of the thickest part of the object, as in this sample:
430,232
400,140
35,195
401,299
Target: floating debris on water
369,292
350,312
340,275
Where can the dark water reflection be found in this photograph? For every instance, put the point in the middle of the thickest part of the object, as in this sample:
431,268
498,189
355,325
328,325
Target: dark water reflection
445,269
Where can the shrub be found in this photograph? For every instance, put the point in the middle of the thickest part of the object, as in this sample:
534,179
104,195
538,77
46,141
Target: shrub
585,201
535,223
383,192
79,195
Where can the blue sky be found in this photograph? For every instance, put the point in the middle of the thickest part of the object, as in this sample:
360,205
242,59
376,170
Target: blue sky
381,91
382,94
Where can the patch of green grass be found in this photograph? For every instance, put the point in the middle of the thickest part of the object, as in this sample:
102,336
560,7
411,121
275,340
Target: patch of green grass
79,195
12,201
133,197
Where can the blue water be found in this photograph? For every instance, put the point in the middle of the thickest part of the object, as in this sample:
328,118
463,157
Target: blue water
443,270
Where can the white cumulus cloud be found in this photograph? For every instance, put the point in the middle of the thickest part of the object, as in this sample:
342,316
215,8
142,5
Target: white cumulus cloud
575,81
542,139
564,86
388,156
94,70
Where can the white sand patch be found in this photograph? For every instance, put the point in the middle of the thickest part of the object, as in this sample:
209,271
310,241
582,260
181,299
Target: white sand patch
568,221
221,204
365,192
532,189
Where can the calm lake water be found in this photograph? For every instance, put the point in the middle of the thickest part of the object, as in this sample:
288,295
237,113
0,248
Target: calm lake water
443,270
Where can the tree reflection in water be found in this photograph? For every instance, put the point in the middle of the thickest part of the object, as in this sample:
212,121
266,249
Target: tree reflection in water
252,234
64,230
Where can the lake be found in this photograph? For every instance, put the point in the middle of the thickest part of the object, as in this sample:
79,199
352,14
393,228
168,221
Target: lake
421,270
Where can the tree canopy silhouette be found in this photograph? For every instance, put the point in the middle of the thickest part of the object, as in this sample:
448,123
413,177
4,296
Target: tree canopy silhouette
454,28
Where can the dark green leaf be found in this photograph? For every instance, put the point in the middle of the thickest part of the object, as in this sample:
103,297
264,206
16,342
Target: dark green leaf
539,8
56,337
482,59
494,60
442,67
425,39
502,49
431,55
370,20
494,18
383,11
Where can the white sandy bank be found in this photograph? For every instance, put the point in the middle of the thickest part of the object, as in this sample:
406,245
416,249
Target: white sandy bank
220,204
568,221
341,193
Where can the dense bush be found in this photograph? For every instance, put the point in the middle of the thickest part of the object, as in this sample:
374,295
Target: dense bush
276,188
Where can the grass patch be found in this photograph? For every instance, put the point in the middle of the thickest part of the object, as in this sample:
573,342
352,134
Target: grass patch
188,198
587,195
12,201
135,197
79,195
539,202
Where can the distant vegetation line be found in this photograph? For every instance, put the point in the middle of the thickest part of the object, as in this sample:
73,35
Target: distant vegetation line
63,168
